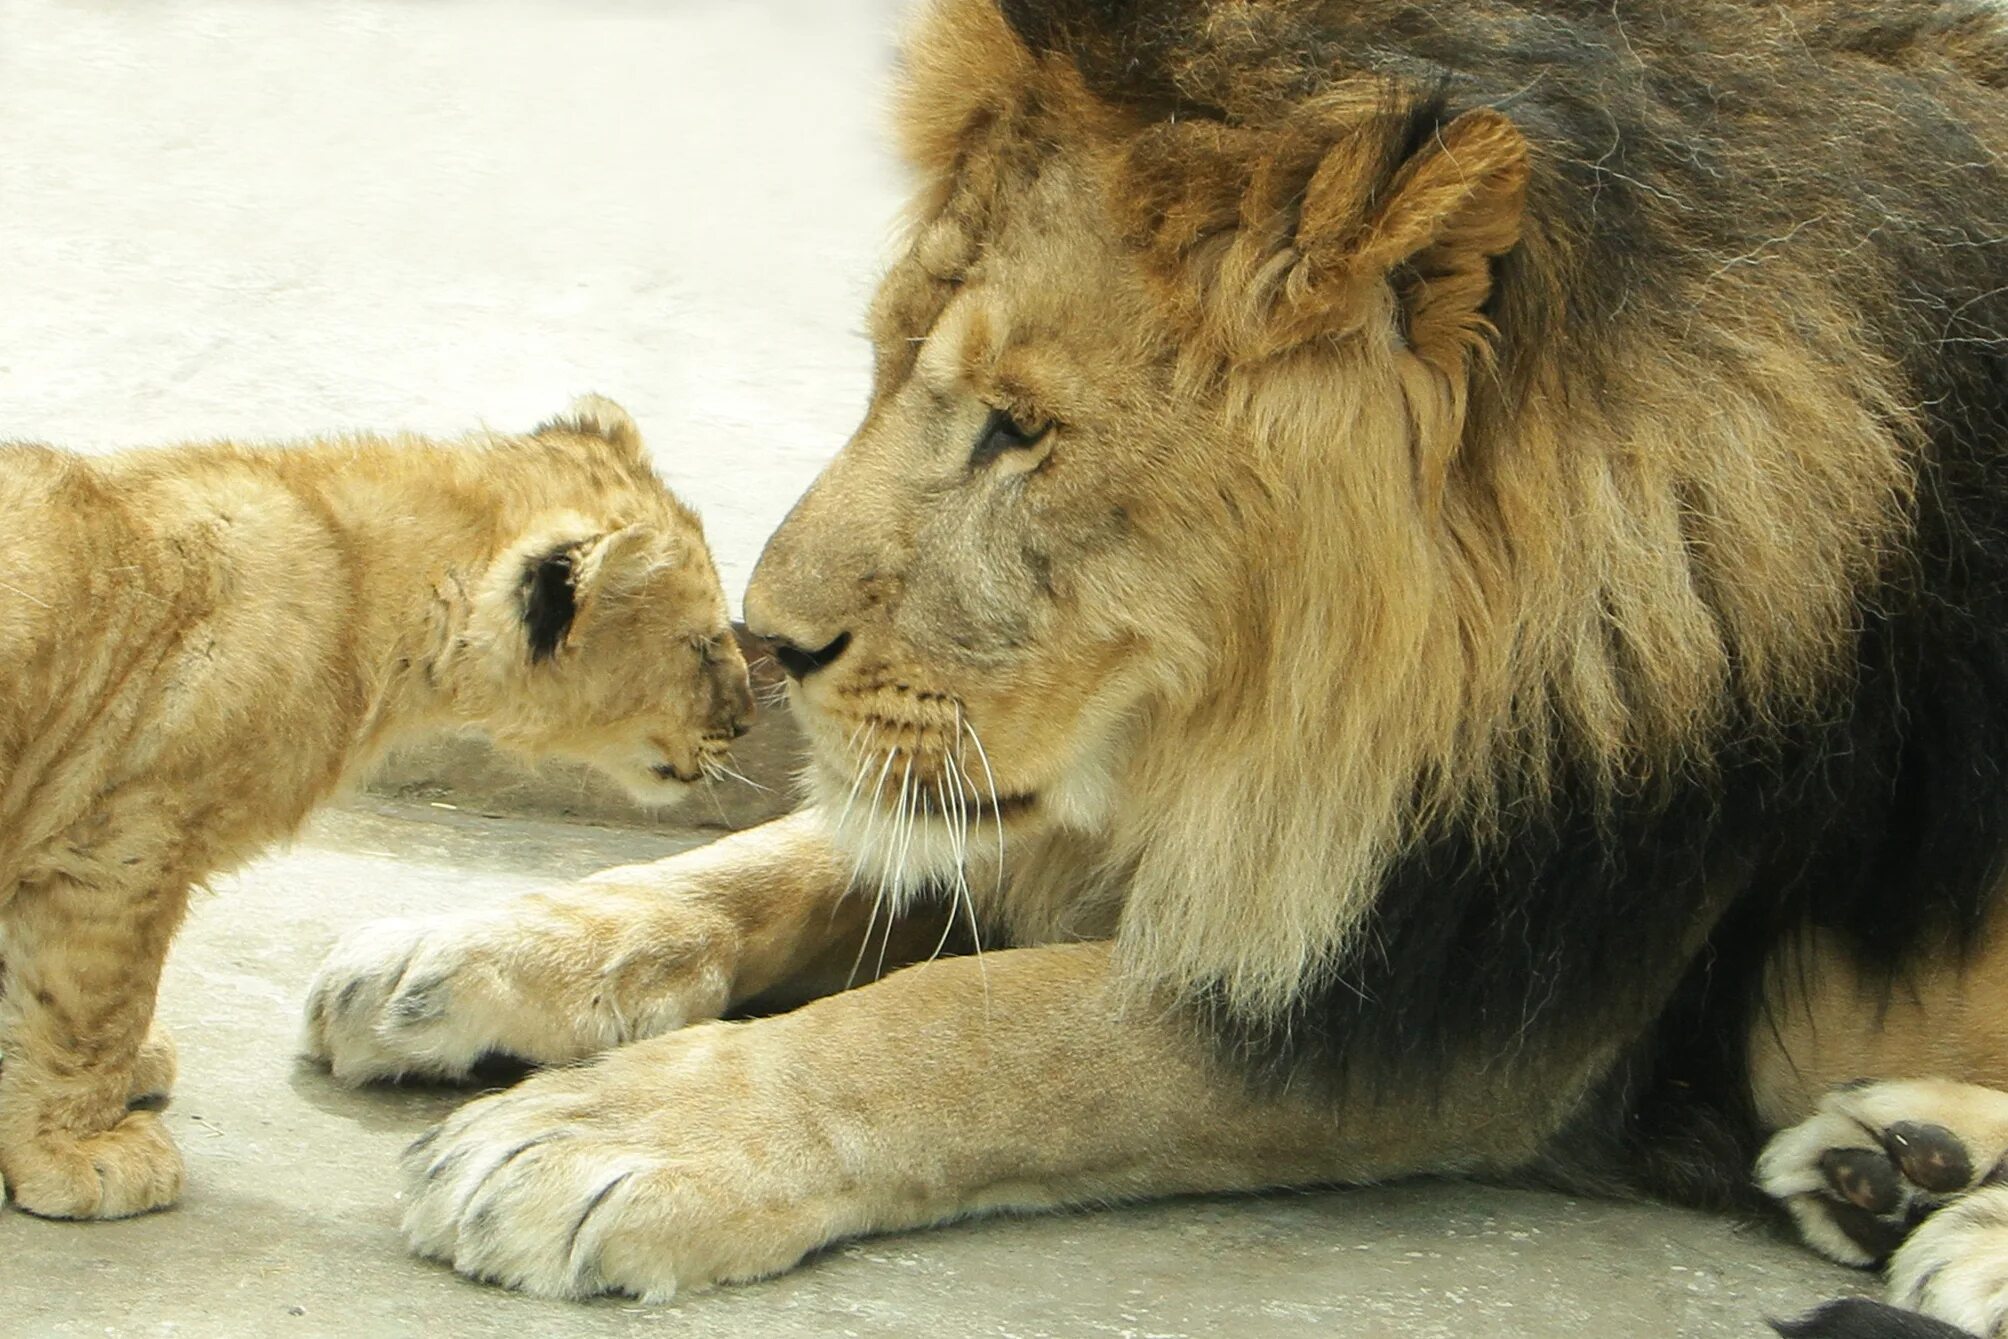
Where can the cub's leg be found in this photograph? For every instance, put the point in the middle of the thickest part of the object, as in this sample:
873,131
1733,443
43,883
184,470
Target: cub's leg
628,953
84,964
154,1069
1024,1079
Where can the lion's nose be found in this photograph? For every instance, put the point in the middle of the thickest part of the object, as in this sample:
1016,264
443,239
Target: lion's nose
803,595
801,661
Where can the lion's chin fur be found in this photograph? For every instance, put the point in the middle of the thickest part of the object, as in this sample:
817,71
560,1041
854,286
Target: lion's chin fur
907,847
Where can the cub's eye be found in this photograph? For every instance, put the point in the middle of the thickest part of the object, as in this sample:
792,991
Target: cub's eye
1001,433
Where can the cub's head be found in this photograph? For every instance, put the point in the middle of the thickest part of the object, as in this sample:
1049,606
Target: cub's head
600,632
1063,572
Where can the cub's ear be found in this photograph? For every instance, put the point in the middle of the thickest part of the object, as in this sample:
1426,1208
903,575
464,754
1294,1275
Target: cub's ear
562,584
595,416
550,601
615,560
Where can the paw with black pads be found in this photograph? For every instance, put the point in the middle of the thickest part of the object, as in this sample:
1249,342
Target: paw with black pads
1877,1159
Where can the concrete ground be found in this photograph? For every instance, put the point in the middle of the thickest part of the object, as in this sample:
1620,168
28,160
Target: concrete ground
289,1226
267,220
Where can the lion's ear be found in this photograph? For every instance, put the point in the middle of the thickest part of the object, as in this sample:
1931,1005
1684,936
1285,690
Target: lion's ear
1063,25
1432,231
1118,47
1268,239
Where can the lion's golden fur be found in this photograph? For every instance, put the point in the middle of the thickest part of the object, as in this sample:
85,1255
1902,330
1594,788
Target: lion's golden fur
1463,548
200,643
1653,540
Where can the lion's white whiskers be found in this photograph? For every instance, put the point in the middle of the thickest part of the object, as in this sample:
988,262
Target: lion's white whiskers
990,777
961,897
871,819
864,757
902,843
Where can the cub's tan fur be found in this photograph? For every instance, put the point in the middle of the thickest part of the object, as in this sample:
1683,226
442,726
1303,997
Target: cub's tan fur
199,644
1371,537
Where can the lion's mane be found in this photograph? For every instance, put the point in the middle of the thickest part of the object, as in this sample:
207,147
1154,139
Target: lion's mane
1689,617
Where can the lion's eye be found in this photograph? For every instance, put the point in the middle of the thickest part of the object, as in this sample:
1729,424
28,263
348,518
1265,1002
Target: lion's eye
1001,433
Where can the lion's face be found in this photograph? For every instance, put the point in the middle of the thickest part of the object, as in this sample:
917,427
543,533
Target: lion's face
1144,386
983,589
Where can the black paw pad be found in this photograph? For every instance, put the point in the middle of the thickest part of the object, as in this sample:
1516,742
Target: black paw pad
1931,1156
1864,1178
1878,1236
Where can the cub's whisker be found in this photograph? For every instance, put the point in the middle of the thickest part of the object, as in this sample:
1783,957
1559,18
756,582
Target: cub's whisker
736,775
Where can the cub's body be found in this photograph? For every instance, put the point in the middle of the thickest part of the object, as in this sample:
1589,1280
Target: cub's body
200,644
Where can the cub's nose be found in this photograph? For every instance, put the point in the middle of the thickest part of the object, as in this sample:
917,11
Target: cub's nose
732,685
734,707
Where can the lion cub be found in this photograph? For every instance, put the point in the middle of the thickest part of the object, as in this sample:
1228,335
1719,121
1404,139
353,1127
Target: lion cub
199,644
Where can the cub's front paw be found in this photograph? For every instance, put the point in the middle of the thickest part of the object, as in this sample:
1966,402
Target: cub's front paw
534,979
132,1168
669,1165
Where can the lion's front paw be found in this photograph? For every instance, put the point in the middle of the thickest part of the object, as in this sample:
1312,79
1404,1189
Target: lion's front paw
1877,1159
533,980
665,1167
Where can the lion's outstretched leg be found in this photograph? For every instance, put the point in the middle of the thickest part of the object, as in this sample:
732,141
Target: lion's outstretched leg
1024,1079
84,964
631,952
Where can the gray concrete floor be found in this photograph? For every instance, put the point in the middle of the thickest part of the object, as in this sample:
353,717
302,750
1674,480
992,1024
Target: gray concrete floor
289,1223
267,220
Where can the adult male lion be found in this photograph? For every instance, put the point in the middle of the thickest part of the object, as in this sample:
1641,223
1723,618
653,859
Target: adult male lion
1451,555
